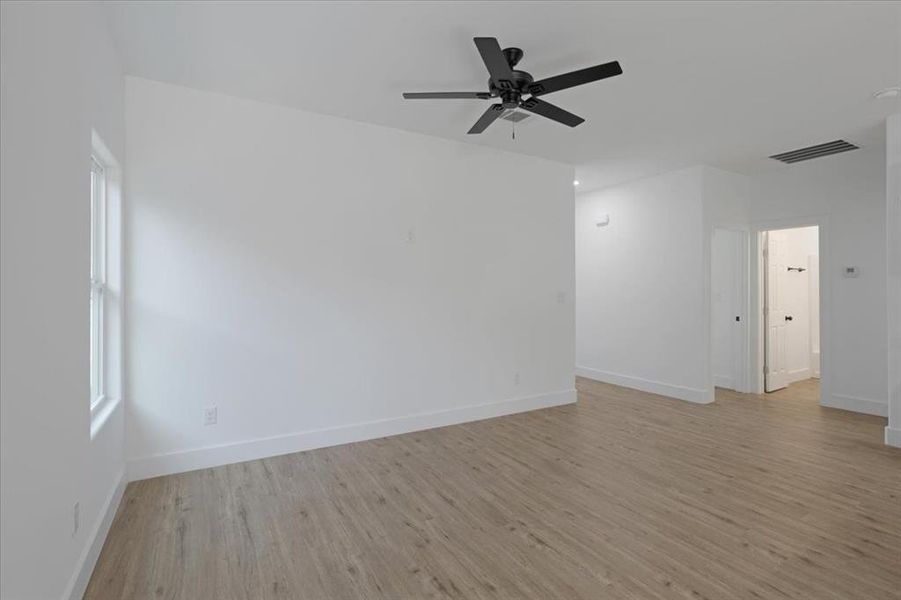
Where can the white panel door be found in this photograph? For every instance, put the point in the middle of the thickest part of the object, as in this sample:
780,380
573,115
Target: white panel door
726,282
776,375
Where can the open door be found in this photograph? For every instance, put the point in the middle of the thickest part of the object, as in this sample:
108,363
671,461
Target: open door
775,366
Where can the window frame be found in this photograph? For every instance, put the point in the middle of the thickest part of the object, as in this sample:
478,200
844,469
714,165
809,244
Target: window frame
98,283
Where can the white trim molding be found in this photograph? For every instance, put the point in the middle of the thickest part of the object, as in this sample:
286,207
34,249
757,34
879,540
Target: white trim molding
723,381
866,406
214,456
79,582
101,412
892,437
799,375
696,395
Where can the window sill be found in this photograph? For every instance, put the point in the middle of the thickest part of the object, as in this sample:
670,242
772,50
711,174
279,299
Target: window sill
101,412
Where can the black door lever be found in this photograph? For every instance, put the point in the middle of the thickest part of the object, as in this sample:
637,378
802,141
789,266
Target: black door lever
788,317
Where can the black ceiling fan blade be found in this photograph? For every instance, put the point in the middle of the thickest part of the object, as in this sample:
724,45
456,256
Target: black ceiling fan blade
495,61
555,113
446,95
487,118
574,78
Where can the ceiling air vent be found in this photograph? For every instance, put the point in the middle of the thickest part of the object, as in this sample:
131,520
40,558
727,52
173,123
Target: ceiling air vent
834,147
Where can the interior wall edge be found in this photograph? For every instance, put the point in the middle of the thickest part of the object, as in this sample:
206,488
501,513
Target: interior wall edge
688,394
214,456
88,559
723,381
892,437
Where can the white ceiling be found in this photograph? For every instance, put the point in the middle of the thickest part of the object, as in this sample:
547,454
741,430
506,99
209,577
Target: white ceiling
725,84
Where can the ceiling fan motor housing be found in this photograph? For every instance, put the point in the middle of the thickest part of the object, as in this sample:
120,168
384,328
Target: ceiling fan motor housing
511,91
510,85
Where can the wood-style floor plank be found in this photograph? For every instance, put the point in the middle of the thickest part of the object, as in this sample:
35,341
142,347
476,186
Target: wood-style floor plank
623,495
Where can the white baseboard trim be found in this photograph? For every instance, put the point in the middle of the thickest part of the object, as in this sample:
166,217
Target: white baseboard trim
214,456
799,375
79,582
695,395
860,405
892,437
723,381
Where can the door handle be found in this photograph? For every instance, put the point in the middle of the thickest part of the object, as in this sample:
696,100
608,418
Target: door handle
788,317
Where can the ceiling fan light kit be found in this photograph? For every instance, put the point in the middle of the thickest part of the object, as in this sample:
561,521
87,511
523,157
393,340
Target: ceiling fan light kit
518,89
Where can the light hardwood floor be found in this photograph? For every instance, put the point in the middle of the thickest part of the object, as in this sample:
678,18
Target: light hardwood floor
623,495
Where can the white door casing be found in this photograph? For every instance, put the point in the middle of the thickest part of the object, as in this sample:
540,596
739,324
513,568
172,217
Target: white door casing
813,266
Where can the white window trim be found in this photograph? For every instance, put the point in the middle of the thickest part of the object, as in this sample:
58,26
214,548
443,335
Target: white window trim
106,284
98,282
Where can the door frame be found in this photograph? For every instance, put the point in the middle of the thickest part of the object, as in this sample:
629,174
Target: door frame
756,318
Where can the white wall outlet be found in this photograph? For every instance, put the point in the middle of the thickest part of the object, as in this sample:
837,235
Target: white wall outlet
210,415
411,235
850,271
516,378
75,518
561,297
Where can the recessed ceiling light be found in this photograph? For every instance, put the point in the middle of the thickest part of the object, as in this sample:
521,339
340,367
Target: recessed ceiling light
889,92
575,182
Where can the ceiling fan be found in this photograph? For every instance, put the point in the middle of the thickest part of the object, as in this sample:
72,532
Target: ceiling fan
510,85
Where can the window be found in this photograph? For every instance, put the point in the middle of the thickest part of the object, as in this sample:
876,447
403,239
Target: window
98,279
105,285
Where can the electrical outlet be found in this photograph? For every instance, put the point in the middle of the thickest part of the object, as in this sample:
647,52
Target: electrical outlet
516,378
75,518
411,236
561,297
210,415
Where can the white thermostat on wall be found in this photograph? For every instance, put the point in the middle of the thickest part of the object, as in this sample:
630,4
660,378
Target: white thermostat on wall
850,271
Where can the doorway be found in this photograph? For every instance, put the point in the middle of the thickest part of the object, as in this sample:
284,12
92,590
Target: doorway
791,306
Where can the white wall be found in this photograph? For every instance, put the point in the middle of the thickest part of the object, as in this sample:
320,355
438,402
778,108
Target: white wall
725,198
321,280
641,311
59,78
643,282
846,192
893,242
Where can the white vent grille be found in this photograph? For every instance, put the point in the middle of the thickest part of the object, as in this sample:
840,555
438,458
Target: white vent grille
827,149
